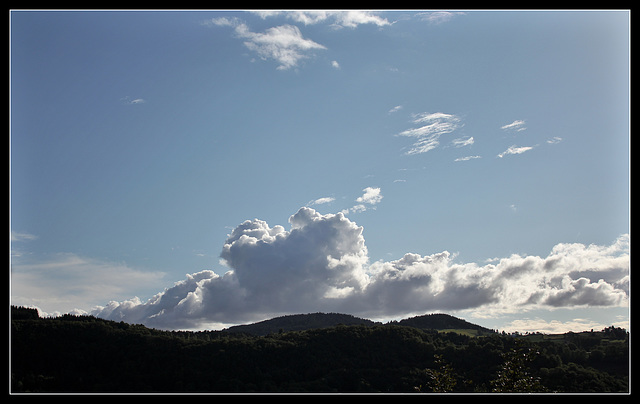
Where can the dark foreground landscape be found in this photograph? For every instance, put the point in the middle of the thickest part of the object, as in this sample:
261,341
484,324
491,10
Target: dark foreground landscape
318,353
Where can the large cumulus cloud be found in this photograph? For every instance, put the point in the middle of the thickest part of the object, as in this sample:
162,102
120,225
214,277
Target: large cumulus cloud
321,264
319,258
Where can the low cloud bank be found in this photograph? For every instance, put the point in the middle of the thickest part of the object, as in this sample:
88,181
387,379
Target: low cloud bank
321,264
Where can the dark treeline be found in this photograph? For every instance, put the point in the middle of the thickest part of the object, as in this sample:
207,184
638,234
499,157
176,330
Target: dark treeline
87,354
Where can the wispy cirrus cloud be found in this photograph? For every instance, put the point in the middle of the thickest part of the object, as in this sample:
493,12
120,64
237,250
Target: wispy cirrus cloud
461,142
129,101
438,17
353,18
515,150
517,125
427,137
395,109
15,236
338,19
467,158
322,201
223,21
18,238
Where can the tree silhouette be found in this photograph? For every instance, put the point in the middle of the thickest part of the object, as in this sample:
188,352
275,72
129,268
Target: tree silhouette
514,375
442,379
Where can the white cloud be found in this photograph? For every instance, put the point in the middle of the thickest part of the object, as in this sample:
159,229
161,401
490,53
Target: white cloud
223,22
349,19
16,236
356,208
395,109
516,125
128,101
284,44
16,251
371,196
321,201
554,140
430,117
515,150
321,264
427,136
273,271
467,158
353,18
304,17
461,142
437,17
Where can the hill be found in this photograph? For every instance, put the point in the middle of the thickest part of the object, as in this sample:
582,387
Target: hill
441,322
298,322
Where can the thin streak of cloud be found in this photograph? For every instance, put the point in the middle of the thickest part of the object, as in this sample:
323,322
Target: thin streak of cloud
222,22
461,142
341,19
438,17
395,109
515,150
15,236
322,201
467,158
128,101
517,125
427,136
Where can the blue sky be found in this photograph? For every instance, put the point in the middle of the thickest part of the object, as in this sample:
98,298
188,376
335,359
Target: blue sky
142,141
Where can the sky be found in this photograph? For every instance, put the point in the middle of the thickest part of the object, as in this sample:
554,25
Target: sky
200,169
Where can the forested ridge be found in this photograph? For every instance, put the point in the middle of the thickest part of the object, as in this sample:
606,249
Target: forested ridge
88,354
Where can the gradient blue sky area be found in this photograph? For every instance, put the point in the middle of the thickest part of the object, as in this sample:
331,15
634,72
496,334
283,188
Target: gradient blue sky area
140,140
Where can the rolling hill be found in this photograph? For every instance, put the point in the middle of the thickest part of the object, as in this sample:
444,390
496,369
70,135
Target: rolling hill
301,322
441,322
298,322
